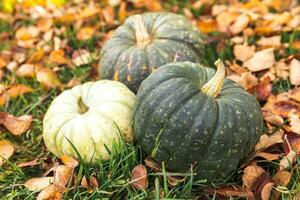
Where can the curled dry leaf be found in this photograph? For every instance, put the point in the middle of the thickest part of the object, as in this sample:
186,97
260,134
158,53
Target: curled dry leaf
62,175
37,184
295,72
225,19
69,161
266,191
251,175
51,192
29,163
271,118
139,177
240,24
6,151
266,141
282,178
232,191
243,52
85,33
267,156
15,125
47,78
72,83
261,60
26,70
287,160
90,185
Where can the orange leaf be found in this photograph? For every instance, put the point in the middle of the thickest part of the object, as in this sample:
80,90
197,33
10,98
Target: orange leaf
18,90
51,192
251,175
2,62
15,125
37,184
122,12
62,175
69,161
85,33
6,151
139,177
207,25
266,141
58,56
36,56
47,78
44,24
282,178
267,156
27,33
26,70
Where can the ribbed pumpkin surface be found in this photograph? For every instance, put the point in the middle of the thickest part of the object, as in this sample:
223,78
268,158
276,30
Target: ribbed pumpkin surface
108,108
175,122
145,42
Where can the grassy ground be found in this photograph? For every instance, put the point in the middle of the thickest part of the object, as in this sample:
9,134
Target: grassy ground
113,176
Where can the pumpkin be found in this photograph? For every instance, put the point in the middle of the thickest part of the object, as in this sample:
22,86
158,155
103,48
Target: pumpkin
93,117
189,115
145,42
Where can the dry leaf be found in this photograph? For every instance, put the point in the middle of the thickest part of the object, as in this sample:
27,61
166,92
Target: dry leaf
85,33
26,70
47,78
232,191
44,24
2,63
16,125
18,90
263,89
72,83
51,192
6,151
243,52
273,41
217,9
247,80
282,178
69,161
267,156
154,166
81,57
29,163
36,56
251,175
261,60
266,191
270,117
294,94
266,141
37,184
240,24
58,57
225,19
122,12
207,25
295,72
294,122
90,185
62,175
27,33
174,181
89,12
139,177
287,160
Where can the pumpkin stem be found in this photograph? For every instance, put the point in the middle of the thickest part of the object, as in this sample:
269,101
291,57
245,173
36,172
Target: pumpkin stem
142,36
82,107
214,85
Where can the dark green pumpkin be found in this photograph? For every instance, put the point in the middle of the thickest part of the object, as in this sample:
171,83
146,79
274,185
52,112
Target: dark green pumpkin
147,41
185,115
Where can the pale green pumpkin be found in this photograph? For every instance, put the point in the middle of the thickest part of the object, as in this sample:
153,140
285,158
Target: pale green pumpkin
91,116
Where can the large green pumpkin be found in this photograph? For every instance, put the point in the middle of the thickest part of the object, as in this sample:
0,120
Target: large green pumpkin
187,114
147,41
92,117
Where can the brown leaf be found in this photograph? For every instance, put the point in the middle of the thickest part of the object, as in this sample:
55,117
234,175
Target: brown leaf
273,41
36,56
292,141
295,72
267,156
26,70
69,161
174,181
266,191
240,24
251,175
287,160
139,177
62,175
27,33
16,125
47,78
243,52
6,151
90,185
51,192
282,178
247,80
295,94
58,57
270,117
85,33
37,184
232,191
261,60
29,163
263,89
266,141
152,164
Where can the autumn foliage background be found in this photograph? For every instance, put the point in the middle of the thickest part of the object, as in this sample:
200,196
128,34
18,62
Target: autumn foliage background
49,46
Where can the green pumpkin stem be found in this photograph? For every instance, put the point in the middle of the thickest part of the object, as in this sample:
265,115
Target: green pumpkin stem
142,36
214,86
82,107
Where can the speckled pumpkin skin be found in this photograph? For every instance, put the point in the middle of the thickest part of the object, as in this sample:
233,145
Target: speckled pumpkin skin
175,122
110,105
173,38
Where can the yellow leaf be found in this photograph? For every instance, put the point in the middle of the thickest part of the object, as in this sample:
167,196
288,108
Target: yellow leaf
6,151
47,78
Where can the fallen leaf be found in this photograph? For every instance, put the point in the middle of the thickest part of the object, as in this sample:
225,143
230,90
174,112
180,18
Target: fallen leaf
47,78
295,72
287,160
282,178
90,184
207,25
69,161
174,181
266,191
294,122
6,151
109,15
139,177
15,125
62,175
273,41
85,33
263,89
122,12
51,192
27,33
44,24
240,24
18,90
81,57
37,184
247,80
261,60
26,70
251,175
89,12
232,191
217,9
270,117
243,52
225,19
72,83
2,63
266,141
267,156
29,163
294,94
58,57
36,56
153,165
